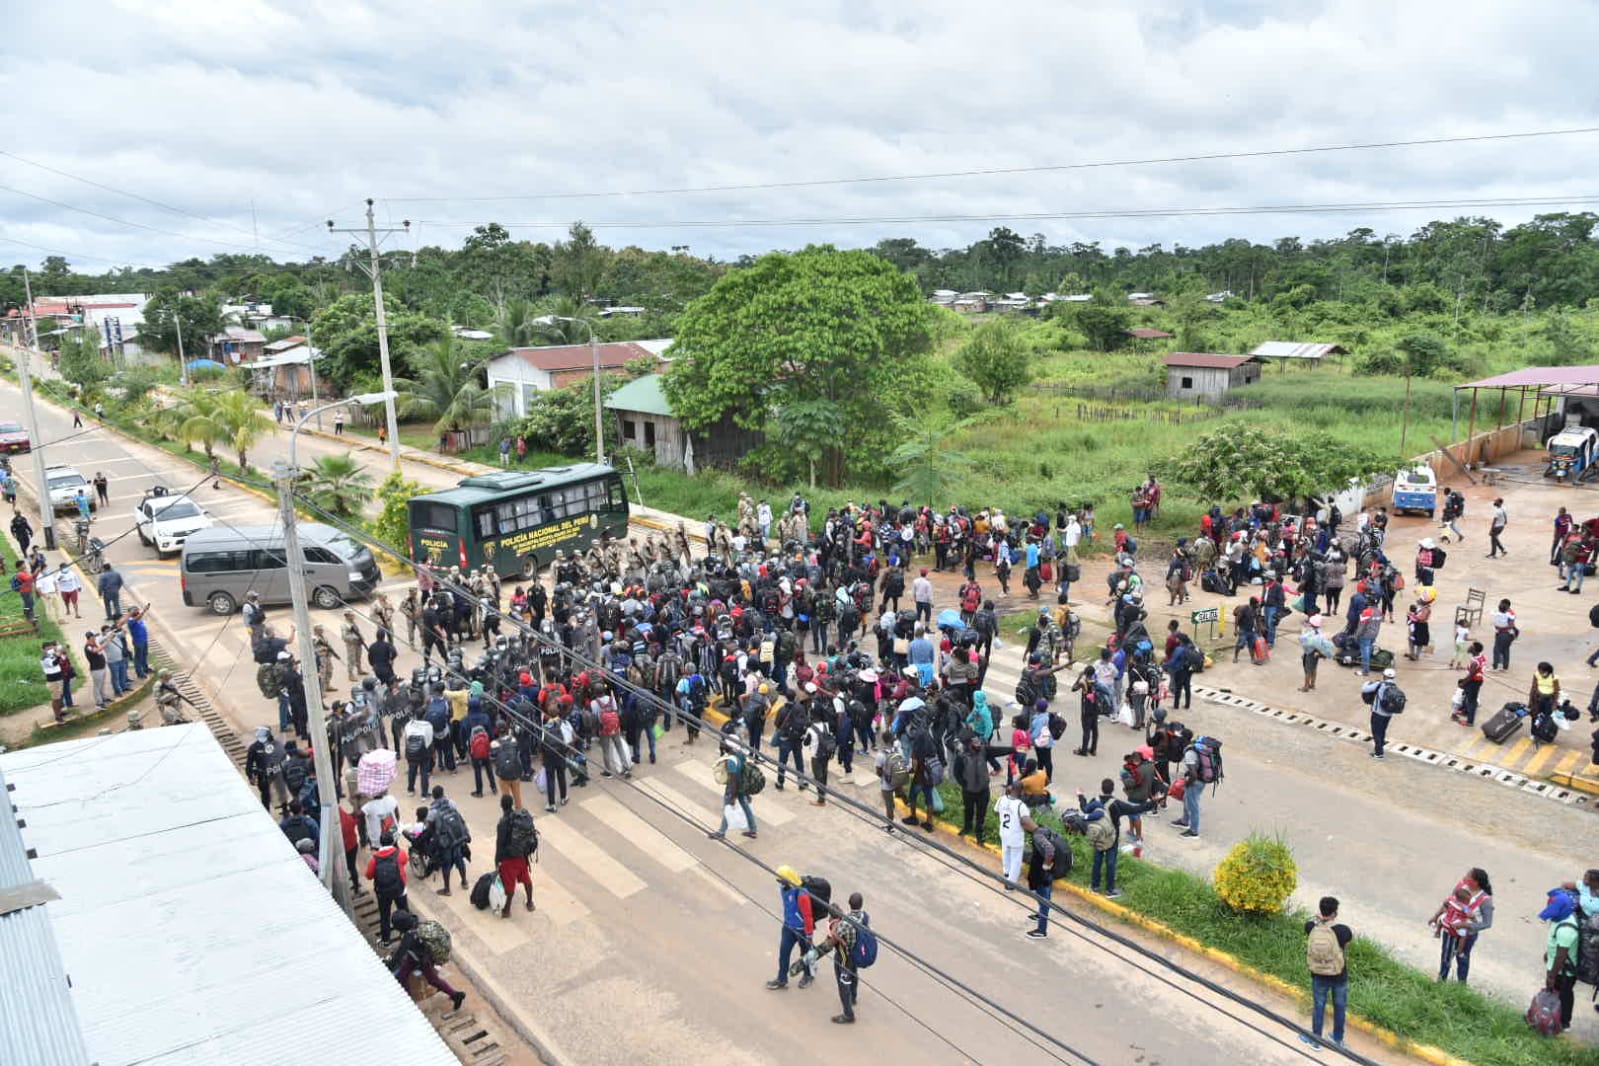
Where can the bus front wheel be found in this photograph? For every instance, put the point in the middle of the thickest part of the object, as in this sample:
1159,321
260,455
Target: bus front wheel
530,567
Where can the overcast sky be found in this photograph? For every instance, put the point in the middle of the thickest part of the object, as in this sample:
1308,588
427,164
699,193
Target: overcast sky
266,117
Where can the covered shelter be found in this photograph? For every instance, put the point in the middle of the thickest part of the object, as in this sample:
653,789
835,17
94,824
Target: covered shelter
1143,334
1556,391
1302,353
190,928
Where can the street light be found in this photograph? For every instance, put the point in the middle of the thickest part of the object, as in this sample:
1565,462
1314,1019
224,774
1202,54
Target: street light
594,350
284,475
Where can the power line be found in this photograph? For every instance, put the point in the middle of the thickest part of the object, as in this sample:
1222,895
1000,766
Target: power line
56,251
1040,169
1043,216
145,199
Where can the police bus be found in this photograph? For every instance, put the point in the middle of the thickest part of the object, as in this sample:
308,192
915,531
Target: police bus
516,520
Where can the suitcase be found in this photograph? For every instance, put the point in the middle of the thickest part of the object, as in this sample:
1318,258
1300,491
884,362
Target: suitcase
1261,652
1503,725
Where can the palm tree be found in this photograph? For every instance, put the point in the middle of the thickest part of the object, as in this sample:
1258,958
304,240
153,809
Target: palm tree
514,323
444,389
196,421
242,423
927,466
337,483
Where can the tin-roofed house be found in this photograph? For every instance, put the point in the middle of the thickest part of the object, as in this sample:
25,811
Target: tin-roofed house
645,420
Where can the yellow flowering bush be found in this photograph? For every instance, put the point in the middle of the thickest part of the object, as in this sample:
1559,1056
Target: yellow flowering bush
1258,875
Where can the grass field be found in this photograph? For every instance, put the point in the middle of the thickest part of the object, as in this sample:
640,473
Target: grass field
21,684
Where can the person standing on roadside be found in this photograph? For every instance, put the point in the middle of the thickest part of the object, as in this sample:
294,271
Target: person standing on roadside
1560,950
1383,697
1471,684
1503,619
1499,519
921,593
139,637
1013,821
109,586
1459,937
1326,954
515,841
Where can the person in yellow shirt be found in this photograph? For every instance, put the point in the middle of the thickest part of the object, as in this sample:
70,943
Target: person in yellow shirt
1035,785
459,699
1544,696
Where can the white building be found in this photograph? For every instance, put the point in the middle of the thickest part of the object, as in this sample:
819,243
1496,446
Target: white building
516,374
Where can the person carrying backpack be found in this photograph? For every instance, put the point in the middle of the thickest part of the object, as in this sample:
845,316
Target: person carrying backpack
480,748
414,953
516,840
507,761
799,923
1326,955
386,870
733,767
1051,859
1105,814
1385,699
450,837
298,825
854,947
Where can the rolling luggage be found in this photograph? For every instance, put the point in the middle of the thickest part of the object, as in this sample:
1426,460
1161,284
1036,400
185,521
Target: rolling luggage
1503,725
1261,652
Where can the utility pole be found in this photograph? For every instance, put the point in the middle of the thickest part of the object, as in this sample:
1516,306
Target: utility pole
374,270
47,511
599,425
177,323
33,323
331,847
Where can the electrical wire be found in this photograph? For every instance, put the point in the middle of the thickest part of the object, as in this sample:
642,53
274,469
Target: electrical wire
855,807
147,200
1207,157
56,251
119,221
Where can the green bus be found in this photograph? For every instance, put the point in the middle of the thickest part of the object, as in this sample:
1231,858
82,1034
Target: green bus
516,520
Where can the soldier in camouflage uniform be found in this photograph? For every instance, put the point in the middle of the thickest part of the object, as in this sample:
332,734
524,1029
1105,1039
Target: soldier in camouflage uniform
324,656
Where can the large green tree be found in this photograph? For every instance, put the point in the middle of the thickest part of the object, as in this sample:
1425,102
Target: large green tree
168,311
346,332
997,358
820,326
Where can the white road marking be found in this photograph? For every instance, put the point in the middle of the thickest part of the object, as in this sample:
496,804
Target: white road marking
636,831
591,859
700,774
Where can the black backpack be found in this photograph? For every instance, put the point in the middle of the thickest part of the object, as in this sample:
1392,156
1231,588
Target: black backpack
1393,699
524,835
295,773
507,762
298,829
386,877
415,747
819,888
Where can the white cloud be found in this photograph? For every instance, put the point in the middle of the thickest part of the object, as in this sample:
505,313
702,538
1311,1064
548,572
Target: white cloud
303,110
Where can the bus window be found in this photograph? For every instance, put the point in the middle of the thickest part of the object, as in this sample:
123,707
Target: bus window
485,522
618,497
437,516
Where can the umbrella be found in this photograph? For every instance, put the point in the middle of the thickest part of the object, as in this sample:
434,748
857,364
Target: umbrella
206,364
868,676
950,618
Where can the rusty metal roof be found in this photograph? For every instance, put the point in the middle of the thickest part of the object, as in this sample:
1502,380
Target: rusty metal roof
1538,377
1143,333
1207,360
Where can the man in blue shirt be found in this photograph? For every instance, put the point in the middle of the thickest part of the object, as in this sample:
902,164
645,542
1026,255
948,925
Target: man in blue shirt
139,635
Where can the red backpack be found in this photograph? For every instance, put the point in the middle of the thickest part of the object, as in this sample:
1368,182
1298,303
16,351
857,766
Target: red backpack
479,744
610,721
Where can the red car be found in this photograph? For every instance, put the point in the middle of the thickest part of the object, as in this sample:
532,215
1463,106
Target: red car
13,438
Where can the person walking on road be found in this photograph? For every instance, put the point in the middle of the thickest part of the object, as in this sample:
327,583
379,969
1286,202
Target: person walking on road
1497,522
1050,861
450,837
842,934
922,596
799,924
1013,822
1326,954
730,769
1458,921
21,532
1385,699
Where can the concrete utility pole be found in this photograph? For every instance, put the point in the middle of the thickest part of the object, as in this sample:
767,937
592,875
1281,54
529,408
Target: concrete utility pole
374,270
33,323
330,850
47,511
177,324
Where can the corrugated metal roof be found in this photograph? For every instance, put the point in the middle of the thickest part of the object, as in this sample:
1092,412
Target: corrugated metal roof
1529,376
41,1023
1206,360
613,355
643,395
1296,350
192,930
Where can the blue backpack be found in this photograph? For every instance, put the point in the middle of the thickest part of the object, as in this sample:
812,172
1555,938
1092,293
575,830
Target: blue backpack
864,953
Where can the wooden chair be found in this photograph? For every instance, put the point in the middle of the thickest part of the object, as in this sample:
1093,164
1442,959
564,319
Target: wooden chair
1470,612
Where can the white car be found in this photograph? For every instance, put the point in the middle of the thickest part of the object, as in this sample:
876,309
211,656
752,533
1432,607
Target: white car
165,522
64,482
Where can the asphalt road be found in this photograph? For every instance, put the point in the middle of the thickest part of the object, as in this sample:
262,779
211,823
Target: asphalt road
651,940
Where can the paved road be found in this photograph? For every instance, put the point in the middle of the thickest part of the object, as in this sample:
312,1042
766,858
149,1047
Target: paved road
641,912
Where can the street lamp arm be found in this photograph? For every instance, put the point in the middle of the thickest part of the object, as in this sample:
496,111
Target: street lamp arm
364,400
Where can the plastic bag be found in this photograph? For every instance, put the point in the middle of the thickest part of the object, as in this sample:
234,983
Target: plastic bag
938,802
497,895
1458,700
736,822
1125,715
541,781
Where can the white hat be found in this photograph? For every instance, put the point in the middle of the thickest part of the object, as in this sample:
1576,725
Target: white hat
810,686
1314,621
1426,542
1389,673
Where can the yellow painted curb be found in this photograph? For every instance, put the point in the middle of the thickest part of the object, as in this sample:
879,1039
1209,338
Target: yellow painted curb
1577,783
